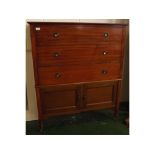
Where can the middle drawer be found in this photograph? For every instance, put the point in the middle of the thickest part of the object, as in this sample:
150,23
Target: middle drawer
78,73
63,55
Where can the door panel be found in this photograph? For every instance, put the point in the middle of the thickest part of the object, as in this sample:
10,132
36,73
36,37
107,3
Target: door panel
60,98
100,95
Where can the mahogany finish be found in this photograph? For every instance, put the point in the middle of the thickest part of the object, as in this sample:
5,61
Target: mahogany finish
98,95
78,73
52,98
58,34
77,54
77,66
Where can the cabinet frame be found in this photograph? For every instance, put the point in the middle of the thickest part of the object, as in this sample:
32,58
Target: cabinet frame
79,87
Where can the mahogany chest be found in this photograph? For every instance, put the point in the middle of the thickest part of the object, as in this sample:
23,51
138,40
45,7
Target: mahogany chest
77,66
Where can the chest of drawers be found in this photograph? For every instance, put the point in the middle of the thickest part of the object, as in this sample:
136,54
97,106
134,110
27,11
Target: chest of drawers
77,66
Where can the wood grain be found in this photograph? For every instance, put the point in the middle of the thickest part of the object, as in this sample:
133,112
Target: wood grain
60,98
78,73
100,94
78,54
76,34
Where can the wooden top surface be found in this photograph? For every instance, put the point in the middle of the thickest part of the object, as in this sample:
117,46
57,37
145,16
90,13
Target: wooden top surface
87,23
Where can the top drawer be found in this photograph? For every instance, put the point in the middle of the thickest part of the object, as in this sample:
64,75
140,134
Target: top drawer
56,34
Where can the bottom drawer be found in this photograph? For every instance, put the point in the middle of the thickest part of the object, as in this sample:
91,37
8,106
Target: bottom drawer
77,73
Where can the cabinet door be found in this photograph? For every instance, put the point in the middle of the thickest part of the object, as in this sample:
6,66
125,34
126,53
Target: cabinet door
60,99
98,95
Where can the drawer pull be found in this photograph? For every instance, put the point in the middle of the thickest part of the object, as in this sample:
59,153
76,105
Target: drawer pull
56,34
106,35
105,53
58,75
56,54
104,72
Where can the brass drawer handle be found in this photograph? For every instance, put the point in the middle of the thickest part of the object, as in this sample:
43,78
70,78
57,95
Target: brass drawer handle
56,54
57,75
104,52
56,34
104,72
106,35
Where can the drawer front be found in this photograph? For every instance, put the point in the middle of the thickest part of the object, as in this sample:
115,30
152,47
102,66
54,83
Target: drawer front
78,73
56,34
99,95
61,55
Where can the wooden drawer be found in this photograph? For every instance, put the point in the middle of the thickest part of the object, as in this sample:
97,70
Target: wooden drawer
56,34
65,54
78,73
